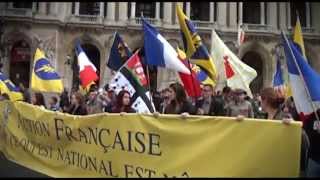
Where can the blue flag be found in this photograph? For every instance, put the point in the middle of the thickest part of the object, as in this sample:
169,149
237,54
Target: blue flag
119,53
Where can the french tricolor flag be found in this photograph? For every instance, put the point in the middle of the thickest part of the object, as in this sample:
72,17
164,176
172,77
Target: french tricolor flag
303,79
87,69
159,52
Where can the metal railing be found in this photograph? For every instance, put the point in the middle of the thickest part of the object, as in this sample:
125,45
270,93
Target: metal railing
258,27
203,24
138,21
91,19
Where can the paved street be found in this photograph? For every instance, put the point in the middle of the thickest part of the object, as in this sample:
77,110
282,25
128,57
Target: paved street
10,169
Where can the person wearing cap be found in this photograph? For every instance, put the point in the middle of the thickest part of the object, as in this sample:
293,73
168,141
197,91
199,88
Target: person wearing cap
239,106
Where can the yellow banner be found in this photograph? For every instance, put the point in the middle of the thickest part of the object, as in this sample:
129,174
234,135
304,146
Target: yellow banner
133,145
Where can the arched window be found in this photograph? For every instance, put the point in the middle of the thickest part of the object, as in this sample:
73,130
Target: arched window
251,12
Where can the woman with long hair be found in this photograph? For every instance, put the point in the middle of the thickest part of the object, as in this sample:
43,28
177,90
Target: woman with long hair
38,99
178,101
77,106
123,103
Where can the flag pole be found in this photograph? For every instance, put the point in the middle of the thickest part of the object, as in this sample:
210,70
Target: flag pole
148,75
304,83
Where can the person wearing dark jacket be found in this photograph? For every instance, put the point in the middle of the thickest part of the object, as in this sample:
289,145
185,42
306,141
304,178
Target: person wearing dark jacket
78,106
271,104
178,101
312,128
210,104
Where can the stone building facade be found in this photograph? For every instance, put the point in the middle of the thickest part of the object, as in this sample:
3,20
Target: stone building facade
55,27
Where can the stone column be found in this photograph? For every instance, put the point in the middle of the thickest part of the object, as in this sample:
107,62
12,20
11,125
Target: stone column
42,8
211,12
167,13
111,11
262,14
272,14
222,14
308,19
101,9
282,15
240,20
233,15
157,11
133,10
188,5
54,8
124,8
77,8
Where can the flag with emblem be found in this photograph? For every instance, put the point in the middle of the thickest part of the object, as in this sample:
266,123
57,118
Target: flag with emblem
7,86
237,74
119,53
131,77
194,47
190,81
87,73
44,78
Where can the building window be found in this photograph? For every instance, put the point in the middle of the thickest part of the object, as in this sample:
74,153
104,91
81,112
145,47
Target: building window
148,9
298,8
22,5
200,11
89,8
251,12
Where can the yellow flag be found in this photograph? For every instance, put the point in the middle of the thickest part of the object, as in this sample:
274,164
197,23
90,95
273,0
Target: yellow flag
6,86
298,38
44,78
194,48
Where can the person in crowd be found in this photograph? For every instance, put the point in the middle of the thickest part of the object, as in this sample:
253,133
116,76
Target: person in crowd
240,107
227,97
110,100
25,93
210,104
290,107
178,101
53,104
95,101
312,128
77,106
271,103
64,100
123,103
156,98
37,99
4,96
165,100
256,105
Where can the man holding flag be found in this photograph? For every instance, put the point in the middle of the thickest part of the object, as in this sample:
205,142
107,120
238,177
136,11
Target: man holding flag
306,94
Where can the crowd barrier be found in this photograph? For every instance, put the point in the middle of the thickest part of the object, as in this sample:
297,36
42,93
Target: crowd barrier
141,145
